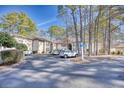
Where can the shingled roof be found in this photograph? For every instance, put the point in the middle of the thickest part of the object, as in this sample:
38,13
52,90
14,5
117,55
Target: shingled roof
32,37
119,45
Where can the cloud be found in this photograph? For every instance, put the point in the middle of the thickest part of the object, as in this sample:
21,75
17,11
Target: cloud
46,22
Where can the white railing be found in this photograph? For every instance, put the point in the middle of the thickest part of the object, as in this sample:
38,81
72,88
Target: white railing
6,49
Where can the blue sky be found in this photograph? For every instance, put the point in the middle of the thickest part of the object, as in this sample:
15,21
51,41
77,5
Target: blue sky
43,15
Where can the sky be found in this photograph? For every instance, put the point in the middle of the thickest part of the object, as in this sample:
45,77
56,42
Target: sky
43,15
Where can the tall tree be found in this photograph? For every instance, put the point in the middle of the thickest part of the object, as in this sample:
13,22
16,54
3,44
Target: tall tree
55,32
73,10
81,25
63,14
90,32
18,22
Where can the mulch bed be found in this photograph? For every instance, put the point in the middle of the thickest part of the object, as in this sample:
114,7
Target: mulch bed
8,63
78,60
92,59
2,66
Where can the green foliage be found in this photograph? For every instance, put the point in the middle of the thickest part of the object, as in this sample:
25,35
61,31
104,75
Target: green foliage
6,40
113,53
18,22
11,56
73,8
61,10
56,31
119,53
102,50
21,47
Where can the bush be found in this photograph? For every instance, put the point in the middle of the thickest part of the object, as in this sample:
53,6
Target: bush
102,50
6,40
21,47
121,53
11,56
113,53
87,50
118,53
34,52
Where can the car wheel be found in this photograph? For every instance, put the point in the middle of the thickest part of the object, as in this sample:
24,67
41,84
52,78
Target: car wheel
65,56
76,55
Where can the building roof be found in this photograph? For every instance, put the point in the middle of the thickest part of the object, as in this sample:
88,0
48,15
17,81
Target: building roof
32,37
119,45
40,39
20,36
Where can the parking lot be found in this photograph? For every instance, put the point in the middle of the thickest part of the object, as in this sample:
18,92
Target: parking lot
45,71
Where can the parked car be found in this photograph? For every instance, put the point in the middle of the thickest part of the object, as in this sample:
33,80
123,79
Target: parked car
55,52
68,53
27,53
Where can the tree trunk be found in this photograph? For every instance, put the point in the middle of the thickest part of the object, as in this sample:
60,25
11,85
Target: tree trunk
66,34
85,24
89,45
76,32
92,30
81,28
95,38
97,30
105,38
109,31
51,44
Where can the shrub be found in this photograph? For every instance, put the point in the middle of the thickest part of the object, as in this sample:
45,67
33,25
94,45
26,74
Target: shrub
11,56
121,53
21,47
113,53
102,50
87,50
34,52
6,40
118,53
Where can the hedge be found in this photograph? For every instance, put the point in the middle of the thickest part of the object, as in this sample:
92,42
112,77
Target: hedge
11,56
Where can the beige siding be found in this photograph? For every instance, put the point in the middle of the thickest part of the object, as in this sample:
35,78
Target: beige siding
38,46
40,50
27,42
43,47
35,45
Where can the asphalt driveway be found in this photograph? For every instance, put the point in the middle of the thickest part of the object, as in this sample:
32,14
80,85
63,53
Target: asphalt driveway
53,72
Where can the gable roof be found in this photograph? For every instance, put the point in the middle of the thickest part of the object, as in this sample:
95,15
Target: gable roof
119,45
31,37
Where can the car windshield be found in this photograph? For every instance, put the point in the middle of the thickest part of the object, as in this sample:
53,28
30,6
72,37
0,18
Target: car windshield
67,51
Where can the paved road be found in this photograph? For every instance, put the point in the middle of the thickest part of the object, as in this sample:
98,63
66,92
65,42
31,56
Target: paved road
48,71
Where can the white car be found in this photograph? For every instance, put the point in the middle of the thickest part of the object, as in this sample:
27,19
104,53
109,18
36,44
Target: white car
27,52
68,53
55,52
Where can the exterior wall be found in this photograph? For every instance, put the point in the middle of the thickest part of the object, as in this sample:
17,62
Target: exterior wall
57,46
48,47
99,47
40,49
54,46
27,42
35,45
117,49
44,47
